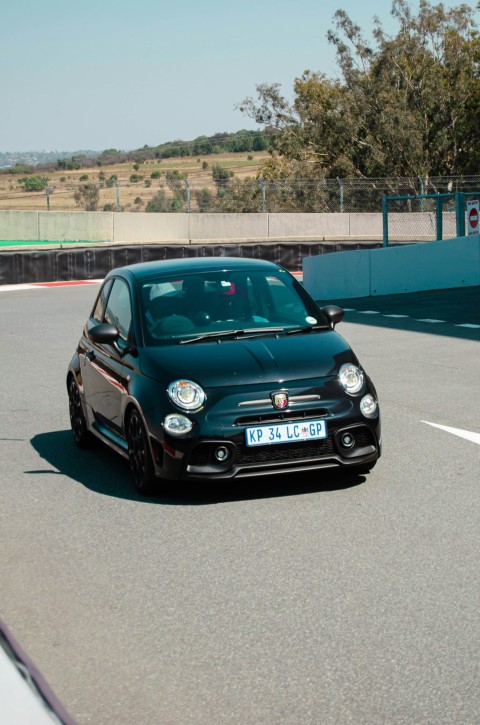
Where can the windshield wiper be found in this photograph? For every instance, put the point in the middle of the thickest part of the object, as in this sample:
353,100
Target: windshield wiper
308,328
242,332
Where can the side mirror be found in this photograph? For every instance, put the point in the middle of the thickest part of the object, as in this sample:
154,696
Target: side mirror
333,314
104,334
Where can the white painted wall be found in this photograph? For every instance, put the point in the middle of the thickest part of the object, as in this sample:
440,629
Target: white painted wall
129,227
75,225
424,266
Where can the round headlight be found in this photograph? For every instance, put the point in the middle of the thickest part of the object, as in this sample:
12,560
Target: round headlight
186,395
177,424
368,406
352,378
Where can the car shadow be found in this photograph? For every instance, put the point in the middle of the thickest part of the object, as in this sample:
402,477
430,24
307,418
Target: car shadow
412,311
103,471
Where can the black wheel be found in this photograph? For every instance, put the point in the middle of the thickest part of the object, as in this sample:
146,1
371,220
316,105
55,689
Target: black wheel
141,464
77,417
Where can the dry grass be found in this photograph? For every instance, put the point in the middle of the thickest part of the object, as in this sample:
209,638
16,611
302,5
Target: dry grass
65,183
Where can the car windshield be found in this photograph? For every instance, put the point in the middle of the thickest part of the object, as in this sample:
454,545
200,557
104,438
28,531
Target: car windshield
209,306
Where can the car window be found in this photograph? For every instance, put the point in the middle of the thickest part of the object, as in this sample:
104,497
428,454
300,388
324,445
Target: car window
119,308
99,306
178,307
286,303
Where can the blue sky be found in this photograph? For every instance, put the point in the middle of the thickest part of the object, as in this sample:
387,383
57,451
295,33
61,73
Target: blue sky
99,74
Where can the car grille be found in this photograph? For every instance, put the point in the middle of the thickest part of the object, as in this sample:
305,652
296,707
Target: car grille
283,452
202,455
363,437
274,417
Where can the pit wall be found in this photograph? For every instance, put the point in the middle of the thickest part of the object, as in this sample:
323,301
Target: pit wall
364,273
120,227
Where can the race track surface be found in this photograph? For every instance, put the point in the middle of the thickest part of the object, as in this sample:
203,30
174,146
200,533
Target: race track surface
289,600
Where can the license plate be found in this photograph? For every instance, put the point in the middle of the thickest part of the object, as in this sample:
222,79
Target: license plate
265,435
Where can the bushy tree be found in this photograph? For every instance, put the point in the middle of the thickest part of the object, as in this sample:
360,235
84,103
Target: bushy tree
221,176
87,197
204,199
161,203
33,183
176,183
404,105
241,195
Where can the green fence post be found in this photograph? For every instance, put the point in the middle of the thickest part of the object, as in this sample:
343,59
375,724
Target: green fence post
439,217
460,213
385,220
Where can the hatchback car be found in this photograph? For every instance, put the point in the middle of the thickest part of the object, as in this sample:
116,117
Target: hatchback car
219,368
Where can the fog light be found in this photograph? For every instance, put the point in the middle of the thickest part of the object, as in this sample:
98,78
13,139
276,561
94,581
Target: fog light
177,424
368,406
222,454
348,440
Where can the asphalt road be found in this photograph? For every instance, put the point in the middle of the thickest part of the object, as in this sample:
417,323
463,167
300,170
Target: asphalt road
303,599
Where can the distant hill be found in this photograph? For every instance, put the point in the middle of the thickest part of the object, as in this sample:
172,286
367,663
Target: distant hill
34,158
240,141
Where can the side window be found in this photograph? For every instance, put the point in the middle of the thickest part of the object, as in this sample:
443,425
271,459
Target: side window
119,309
99,308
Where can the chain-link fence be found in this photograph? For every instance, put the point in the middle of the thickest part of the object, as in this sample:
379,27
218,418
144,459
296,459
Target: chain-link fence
428,216
236,194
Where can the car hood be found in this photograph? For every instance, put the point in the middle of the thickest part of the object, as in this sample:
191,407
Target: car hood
256,360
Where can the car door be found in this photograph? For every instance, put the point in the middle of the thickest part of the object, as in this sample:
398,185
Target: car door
103,366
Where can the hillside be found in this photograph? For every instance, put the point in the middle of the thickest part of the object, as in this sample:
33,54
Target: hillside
135,182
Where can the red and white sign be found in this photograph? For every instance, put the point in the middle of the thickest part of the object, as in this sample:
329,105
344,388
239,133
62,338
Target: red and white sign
472,217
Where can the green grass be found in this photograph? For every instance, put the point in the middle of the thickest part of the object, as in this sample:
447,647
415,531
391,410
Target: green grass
37,242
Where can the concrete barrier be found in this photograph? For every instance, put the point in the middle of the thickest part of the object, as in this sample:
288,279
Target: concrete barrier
119,227
75,225
432,265
16,225
145,228
228,226
365,225
309,225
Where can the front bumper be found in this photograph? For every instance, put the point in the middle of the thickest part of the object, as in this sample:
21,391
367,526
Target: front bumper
201,460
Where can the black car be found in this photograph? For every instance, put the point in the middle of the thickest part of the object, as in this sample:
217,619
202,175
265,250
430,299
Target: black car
219,368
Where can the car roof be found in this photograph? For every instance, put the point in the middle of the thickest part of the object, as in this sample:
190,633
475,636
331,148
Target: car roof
147,270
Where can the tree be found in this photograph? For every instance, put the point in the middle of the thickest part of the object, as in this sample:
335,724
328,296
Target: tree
241,195
33,183
87,197
176,183
160,203
405,105
202,146
204,198
221,176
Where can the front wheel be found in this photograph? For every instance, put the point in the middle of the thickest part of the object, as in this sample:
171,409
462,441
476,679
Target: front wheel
77,417
139,455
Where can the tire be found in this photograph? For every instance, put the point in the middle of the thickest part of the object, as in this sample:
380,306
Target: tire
139,456
78,422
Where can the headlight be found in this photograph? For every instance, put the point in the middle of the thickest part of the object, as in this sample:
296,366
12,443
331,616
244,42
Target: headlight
368,406
177,424
186,395
352,378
